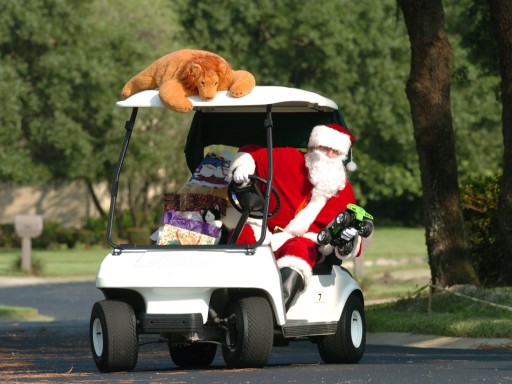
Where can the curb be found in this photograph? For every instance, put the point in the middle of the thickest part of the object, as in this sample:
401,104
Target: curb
429,341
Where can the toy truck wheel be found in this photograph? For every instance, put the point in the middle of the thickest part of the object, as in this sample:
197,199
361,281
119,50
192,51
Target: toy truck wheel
347,345
365,228
344,219
249,337
324,236
194,355
346,247
113,336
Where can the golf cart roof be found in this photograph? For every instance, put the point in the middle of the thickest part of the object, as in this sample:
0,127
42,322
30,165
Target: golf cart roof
231,121
282,99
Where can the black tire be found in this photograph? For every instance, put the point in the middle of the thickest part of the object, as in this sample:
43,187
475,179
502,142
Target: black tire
346,247
344,219
113,336
347,345
365,228
199,355
324,236
250,333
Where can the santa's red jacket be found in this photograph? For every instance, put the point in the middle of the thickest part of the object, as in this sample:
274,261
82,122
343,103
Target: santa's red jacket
290,179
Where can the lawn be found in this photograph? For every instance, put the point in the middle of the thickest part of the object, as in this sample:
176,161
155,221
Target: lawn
394,263
63,262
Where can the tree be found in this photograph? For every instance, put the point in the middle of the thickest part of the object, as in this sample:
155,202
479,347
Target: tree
353,52
428,91
501,16
63,64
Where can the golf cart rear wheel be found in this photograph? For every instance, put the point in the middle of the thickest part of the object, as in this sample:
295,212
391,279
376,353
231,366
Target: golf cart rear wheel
249,338
113,336
347,345
193,355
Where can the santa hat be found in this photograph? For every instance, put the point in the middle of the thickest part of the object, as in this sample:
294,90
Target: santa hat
336,137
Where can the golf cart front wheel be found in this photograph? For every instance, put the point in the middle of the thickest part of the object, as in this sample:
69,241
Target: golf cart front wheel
113,336
250,333
347,345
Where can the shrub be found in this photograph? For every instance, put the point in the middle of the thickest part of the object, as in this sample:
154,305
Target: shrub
36,264
68,236
8,237
479,200
49,237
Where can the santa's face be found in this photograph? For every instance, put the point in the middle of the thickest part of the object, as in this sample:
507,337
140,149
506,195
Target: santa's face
326,171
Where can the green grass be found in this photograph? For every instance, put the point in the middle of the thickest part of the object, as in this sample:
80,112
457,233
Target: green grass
54,263
395,243
21,314
395,263
449,315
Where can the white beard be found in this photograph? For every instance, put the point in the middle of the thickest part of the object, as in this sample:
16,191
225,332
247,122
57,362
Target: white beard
327,175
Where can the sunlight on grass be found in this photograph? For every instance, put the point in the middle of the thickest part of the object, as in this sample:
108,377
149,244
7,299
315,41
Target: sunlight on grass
451,315
396,243
21,314
56,263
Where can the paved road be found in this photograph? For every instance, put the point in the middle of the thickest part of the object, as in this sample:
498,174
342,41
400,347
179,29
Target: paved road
58,352
61,301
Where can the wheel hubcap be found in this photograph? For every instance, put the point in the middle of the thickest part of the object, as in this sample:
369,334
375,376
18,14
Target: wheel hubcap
231,333
97,337
356,329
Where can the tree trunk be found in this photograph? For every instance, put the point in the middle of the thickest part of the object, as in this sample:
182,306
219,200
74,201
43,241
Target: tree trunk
501,18
95,199
428,91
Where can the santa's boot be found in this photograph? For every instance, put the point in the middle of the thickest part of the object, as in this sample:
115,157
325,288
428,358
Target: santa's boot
292,285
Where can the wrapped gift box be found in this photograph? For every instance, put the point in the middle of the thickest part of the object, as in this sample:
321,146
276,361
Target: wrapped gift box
185,202
172,235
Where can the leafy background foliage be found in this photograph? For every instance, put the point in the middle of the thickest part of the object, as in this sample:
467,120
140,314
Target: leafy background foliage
63,63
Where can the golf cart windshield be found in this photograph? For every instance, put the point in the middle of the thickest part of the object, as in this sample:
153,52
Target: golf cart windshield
268,116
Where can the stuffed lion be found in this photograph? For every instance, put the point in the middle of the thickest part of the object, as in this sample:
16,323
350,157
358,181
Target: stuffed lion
189,72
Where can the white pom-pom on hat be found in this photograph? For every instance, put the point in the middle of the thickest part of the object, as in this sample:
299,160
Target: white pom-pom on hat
351,166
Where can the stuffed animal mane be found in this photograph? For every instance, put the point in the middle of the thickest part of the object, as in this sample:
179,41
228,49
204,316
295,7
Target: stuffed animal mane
212,70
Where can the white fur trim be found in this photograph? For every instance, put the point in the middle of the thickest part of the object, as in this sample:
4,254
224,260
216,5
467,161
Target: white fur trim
297,264
311,236
255,225
242,159
322,135
278,239
355,250
301,222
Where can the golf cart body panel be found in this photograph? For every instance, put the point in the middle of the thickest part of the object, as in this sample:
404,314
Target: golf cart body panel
155,275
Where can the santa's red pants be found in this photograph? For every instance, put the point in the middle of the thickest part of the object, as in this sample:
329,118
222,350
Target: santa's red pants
300,247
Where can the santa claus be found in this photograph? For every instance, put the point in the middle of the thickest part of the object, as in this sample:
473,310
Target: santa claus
313,189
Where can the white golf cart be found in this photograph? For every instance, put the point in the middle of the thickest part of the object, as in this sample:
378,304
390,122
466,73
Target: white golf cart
200,297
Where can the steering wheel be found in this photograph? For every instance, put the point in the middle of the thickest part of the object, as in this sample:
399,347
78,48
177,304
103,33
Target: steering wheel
249,199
